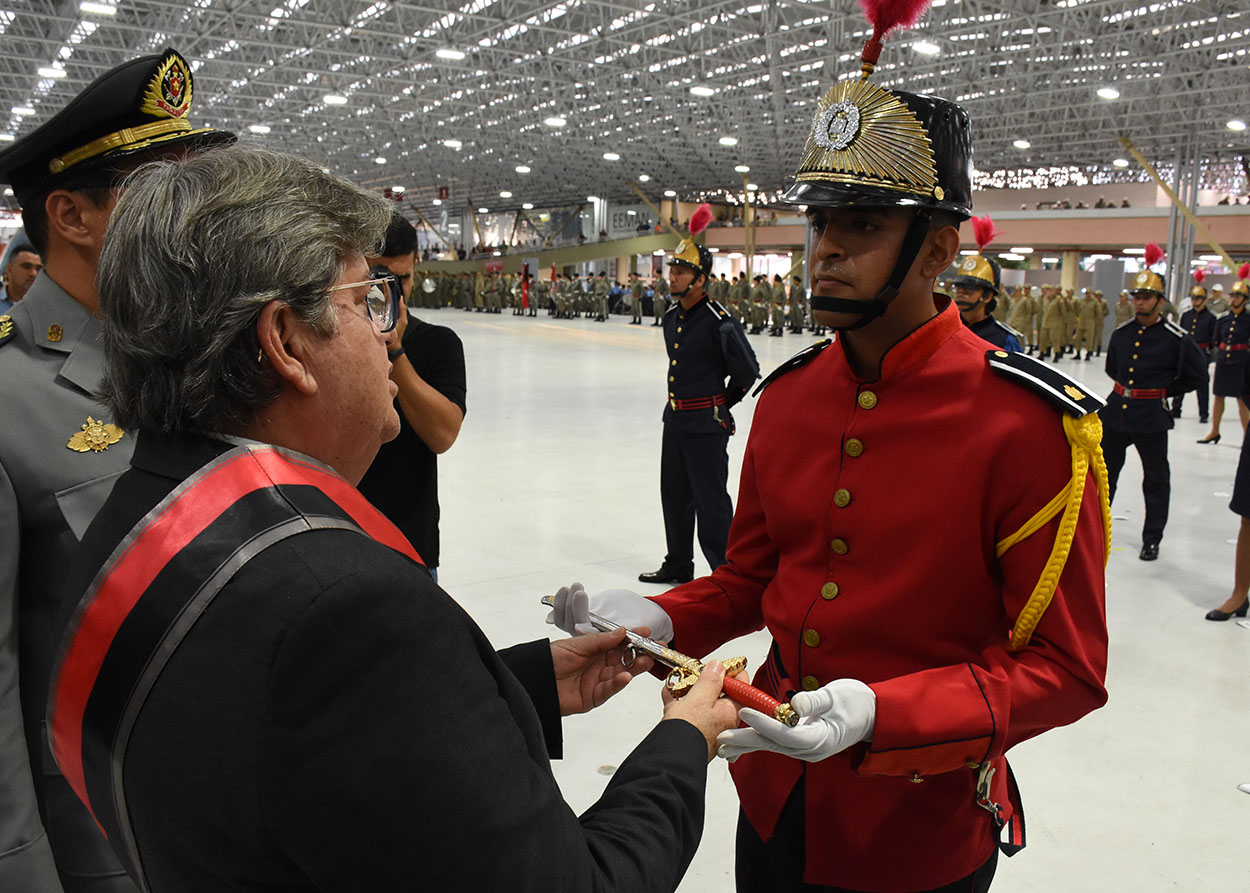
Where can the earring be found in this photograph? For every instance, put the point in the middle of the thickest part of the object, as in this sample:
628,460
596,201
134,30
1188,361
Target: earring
260,356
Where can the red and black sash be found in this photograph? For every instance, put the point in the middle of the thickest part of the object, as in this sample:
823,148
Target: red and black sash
158,582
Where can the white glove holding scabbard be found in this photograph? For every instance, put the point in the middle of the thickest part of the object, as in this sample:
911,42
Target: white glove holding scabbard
573,606
834,717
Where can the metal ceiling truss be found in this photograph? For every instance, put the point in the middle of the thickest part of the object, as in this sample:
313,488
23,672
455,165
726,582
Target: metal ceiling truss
620,74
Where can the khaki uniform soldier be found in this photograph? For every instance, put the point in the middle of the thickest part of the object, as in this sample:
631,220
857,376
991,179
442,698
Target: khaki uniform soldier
1217,303
738,304
601,289
1103,310
760,296
777,302
479,280
1021,317
493,297
798,305
560,296
539,293
1069,321
581,297
1088,318
1123,310
635,299
659,299
1038,294
1050,333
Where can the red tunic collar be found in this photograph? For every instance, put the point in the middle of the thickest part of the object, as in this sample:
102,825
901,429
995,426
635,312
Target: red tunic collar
913,348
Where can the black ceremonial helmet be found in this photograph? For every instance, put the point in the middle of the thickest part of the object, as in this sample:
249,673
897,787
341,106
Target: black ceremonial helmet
872,147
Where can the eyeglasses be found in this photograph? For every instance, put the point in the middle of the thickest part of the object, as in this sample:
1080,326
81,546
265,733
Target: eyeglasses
382,301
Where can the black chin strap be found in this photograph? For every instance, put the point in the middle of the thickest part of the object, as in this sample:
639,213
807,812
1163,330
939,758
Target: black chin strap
870,310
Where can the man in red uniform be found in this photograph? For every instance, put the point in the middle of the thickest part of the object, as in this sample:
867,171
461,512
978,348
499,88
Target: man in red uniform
925,618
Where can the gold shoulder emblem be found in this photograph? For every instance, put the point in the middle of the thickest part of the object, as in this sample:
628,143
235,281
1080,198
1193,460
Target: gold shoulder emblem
95,437
1072,392
6,326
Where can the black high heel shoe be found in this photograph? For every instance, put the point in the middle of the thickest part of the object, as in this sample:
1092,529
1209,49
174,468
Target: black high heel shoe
1215,439
1217,614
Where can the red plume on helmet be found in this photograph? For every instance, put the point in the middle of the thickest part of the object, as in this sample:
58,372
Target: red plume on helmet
984,232
1154,254
701,217
1199,277
885,16
1244,272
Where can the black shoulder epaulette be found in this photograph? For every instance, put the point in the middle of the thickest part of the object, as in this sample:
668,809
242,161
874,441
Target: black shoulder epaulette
1060,390
672,307
718,308
1174,328
802,358
6,328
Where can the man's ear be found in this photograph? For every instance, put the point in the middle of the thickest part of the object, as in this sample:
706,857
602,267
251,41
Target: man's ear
284,342
941,249
75,218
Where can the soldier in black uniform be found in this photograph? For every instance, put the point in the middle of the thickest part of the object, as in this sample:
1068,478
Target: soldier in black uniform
1232,348
1149,359
976,295
705,346
1199,322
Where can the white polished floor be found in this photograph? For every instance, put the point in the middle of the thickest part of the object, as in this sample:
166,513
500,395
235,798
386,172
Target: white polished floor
555,479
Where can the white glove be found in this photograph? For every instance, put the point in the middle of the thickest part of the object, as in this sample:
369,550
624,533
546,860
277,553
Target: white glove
834,717
573,606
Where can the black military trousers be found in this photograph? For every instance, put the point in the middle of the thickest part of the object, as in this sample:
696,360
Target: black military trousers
1156,485
777,866
694,471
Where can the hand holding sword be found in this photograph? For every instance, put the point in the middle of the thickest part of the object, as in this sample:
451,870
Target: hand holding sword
685,671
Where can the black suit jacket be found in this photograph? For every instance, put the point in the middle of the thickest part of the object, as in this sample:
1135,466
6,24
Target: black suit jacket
334,721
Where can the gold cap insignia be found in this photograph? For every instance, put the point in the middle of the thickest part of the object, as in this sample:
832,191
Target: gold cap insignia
969,264
168,94
54,332
863,134
95,436
1072,392
1142,278
6,325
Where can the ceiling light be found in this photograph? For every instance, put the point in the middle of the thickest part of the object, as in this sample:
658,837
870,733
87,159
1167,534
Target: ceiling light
751,187
260,129
100,9
452,144
1010,256
592,198
1021,250
7,137
1236,124
926,48
1133,251
334,99
23,110
668,193
447,53
968,253
743,169
555,121
611,156
482,211
379,160
1120,162
522,169
702,91
51,72
644,178
1022,144
438,201
528,206
1050,260
728,141
400,189
505,194
1109,93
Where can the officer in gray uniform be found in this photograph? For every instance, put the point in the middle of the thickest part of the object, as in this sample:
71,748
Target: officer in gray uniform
601,297
59,452
659,299
635,299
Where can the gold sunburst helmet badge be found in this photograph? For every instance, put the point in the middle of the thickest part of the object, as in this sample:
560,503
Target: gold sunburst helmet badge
865,135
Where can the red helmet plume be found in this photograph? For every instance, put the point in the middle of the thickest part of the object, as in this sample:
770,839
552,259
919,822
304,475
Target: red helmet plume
885,16
1154,254
983,231
701,217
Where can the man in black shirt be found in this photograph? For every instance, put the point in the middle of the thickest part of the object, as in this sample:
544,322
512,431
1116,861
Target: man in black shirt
427,362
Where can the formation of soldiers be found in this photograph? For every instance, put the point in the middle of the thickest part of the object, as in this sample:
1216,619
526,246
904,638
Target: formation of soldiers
1055,322
759,304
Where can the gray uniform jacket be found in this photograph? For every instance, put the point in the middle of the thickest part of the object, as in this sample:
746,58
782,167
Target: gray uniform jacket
51,362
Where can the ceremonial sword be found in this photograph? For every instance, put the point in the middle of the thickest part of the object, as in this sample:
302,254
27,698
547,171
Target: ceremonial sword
685,670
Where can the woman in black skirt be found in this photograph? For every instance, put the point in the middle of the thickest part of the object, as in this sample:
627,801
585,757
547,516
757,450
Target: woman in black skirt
1236,604
1232,341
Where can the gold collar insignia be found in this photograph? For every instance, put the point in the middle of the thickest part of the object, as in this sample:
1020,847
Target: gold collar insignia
95,437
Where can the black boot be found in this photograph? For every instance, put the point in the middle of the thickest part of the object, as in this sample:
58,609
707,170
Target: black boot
668,574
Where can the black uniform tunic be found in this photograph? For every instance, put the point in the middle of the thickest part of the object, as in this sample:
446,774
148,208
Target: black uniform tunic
1148,364
1232,340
